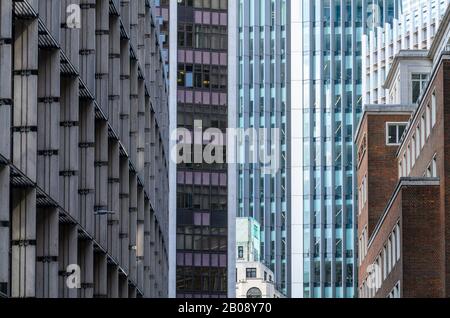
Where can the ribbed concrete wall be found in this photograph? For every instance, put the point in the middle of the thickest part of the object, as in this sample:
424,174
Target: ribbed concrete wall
83,151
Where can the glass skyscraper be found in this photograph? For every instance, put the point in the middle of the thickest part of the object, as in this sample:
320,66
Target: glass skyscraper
325,106
261,104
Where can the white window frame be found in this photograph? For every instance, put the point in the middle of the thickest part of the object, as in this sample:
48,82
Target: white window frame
433,109
399,249
418,147
399,137
408,160
434,166
422,131
422,83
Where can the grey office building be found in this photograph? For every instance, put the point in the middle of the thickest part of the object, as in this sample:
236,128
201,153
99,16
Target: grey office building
84,158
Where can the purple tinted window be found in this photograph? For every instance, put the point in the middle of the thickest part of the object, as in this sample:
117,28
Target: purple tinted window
198,17
215,98
206,17
205,178
206,98
223,19
180,177
214,260
180,96
180,259
189,56
197,218
188,96
198,57
223,260
223,179
198,178
180,56
198,259
188,178
198,97
206,219
188,259
215,179
223,99
215,18
206,58
215,58
205,259
223,59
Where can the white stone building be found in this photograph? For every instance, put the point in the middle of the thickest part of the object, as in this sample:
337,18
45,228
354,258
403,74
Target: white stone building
253,278
414,29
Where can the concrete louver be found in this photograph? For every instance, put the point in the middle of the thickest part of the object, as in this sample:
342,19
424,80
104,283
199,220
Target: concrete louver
83,151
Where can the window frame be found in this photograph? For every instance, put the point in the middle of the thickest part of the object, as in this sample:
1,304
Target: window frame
397,124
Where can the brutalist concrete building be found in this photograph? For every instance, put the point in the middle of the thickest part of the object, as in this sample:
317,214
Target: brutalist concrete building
84,129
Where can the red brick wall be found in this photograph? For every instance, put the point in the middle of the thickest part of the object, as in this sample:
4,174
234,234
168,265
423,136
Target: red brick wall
422,258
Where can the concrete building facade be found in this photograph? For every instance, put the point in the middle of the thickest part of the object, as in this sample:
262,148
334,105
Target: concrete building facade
84,150
404,219
412,26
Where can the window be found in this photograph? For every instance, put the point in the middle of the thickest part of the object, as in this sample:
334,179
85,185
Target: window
394,248
394,132
422,131
240,252
395,293
389,255
428,120
404,172
433,109
363,194
251,273
417,142
413,151
397,230
408,160
254,292
434,167
418,82
384,263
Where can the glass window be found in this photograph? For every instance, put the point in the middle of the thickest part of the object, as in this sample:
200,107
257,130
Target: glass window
240,252
251,273
394,133
422,131
254,292
418,82
433,110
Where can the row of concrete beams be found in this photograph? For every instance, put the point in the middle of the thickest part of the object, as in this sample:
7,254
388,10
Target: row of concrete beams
87,247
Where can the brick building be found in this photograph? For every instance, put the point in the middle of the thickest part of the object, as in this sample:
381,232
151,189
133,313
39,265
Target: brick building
403,212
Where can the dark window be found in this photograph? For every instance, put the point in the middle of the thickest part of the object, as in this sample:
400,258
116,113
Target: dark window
395,132
254,293
240,252
251,272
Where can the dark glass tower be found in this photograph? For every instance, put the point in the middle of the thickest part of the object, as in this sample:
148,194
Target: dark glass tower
201,187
